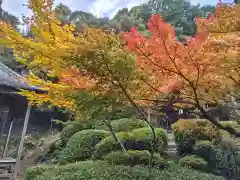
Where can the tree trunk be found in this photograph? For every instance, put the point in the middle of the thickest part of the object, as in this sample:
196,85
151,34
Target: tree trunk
109,125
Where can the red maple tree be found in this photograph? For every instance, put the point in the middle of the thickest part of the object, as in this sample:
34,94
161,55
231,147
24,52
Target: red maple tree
192,69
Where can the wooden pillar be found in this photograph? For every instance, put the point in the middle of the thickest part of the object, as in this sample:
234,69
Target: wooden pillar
8,136
20,149
4,120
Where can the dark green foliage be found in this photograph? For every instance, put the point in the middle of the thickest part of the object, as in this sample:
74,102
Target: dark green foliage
127,124
102,171
134,157
187,132
74,127
138,139
194,162
203,148
217,148
81,145
223,158
224,162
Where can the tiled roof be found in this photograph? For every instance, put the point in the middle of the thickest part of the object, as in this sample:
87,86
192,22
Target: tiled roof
12,79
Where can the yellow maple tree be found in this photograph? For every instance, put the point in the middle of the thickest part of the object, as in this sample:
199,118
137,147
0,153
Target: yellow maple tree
93,60
47,50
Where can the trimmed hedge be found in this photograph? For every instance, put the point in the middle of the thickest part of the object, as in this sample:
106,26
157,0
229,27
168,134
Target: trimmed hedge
222,158
119,125
135,157
138,139
194,162
186,132
127,124
81,145
232,124
74,127
101,170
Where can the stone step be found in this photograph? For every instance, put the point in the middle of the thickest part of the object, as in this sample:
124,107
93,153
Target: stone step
171,143
172,150
172,147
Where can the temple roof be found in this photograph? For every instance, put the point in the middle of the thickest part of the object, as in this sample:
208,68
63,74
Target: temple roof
11,79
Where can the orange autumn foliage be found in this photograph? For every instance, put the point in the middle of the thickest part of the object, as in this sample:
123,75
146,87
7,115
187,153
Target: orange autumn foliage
196,68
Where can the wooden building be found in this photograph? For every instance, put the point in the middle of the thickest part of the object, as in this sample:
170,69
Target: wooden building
13,106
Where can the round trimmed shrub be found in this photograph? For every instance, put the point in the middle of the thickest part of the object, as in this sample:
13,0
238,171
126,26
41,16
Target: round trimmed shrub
194,162
127,124
186,132
74,127
138,139
135,157
81,145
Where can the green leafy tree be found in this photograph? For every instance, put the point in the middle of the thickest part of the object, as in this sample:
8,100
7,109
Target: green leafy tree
181,14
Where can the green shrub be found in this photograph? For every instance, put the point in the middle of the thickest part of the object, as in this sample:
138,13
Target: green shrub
237,158
58,145
194,162
81,145
138,139
186,132
32,173
228,143
135,157
103,171
223,162
222,158
74,127
127,124
203,149
232,124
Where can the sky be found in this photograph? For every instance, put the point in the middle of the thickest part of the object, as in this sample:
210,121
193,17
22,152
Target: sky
100,8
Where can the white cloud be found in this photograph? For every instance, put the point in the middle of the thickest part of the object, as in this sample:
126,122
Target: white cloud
111,7
100,6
